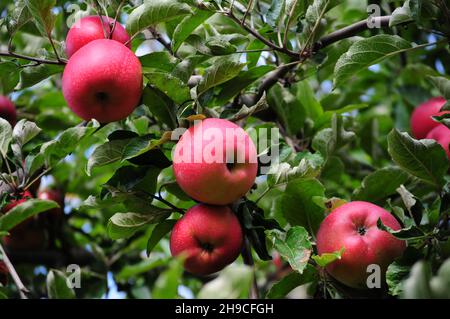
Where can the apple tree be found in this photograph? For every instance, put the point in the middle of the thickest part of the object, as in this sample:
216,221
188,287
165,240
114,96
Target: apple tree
341,104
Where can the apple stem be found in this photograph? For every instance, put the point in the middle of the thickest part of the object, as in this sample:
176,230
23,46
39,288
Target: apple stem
248,260
20,286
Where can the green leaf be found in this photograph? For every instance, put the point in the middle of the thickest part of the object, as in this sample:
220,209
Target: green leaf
58,286
410,232
107,153
443,85
5,136
329,140
43,17
34,74
24,211
153,12
220,72
57,149
163,61
380,184
298,206
166,286
248,111
159,232
416,286
401,15
327,258
305,95
170,85
233,87
19,16
295,246
24,131
124,225
160,106
444,119
281,288
288,108
282,173
131,271
9,77
232,283
187,26
424,159
315,12
366,52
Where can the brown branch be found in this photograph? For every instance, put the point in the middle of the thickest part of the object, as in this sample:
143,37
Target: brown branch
30,58
161,40
348,32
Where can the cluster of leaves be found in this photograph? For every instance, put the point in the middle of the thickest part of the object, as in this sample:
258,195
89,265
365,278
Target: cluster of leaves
341,103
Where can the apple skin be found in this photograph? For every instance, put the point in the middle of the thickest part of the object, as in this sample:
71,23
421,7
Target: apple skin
103,81
4,272
441,134
27,235
8,110
421,121
214,182
90,28
341,228
209,236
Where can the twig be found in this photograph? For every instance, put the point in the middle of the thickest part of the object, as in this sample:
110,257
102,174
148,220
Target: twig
248,260
115,18
29,58
260,37
286,31
249,7
161,40
19,284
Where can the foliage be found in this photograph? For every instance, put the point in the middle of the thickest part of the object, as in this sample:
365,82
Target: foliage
341,99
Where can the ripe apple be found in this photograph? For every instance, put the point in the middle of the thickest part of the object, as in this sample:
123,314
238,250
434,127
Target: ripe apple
27,235
4,272
215,162
210,237
103,81
8,110
421,118
92,28
441,134
354,227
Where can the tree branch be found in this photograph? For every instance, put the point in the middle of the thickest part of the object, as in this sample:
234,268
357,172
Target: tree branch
30,58
348,32
20,286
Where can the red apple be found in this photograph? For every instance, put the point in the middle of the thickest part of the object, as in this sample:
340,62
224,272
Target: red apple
354,227
441,134
200,162
210,237
92,28
4,272
8,110
421,118
103,81
27,235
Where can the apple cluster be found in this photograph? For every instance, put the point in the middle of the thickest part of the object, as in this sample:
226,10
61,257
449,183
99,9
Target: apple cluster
103,77
209,235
